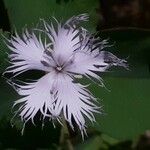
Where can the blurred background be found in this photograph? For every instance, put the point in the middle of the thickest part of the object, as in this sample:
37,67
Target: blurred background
125,124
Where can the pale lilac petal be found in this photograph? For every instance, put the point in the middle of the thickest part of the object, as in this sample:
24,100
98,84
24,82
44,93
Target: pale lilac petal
37,96
75,102
27,53
90,58
84,63
66,38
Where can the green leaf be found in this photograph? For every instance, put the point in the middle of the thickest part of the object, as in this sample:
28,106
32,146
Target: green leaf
109,140
3,51
7,94
94,142
126,107
28,12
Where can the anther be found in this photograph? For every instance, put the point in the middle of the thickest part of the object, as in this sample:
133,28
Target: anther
58,68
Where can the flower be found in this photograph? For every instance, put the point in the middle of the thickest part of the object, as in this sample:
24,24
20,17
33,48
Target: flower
71,51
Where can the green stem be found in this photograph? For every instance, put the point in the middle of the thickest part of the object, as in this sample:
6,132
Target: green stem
65,137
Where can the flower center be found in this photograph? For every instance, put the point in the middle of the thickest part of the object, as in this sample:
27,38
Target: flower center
59,68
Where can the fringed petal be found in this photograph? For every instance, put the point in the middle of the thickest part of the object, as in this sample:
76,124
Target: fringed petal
89,58
66,38
27,53
37,97
75,102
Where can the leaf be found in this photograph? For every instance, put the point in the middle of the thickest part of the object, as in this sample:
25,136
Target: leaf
6,93
94,142
126,107
109,140
28,12
3,51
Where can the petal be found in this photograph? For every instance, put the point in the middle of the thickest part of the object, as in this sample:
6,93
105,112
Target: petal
27,53
74,101
84,63
90,59
37,97
67,37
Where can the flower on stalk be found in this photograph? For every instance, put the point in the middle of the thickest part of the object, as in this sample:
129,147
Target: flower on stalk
71,51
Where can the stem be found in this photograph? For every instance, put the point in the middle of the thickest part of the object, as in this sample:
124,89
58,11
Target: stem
125,28
65,137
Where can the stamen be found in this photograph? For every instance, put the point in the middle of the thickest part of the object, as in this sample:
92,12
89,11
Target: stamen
59,68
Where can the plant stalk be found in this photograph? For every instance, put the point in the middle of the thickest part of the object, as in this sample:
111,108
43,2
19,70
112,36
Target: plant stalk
65,137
